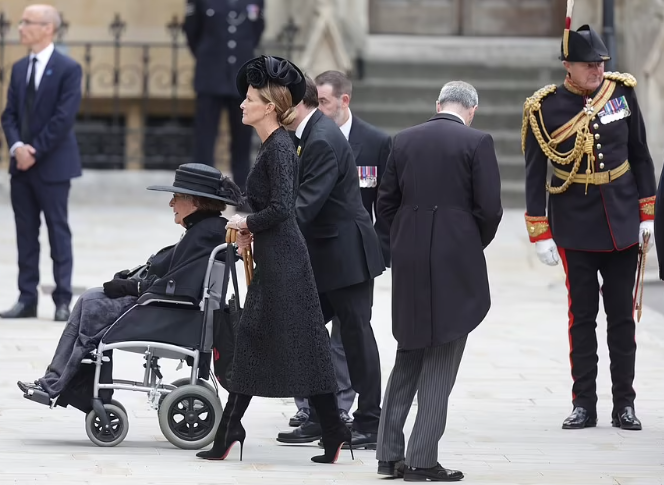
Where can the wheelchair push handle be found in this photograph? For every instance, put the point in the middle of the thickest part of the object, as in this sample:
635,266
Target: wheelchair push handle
247,256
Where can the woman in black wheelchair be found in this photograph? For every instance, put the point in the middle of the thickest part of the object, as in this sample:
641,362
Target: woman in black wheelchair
200,194
282,347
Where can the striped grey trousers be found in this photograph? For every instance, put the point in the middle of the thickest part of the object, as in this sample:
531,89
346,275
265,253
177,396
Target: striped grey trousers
431,373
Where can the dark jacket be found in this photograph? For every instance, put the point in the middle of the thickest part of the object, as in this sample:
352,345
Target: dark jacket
659,225
371,147
222,35
607,217
341,240
52,120
440,200
180,269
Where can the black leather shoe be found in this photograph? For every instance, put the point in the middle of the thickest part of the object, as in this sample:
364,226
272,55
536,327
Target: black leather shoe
20,310
305,433
626,419
345,418
394,469
299,418
579,419
360,441
61,313
25,386
433,474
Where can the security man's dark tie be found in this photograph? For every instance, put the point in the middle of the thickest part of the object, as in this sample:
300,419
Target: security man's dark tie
26,135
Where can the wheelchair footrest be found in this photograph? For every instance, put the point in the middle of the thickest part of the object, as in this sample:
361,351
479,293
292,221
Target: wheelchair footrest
38,396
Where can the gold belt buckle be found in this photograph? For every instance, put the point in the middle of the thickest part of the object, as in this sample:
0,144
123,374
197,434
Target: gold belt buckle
601,178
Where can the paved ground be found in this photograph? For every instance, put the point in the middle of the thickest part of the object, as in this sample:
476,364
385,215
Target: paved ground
504,424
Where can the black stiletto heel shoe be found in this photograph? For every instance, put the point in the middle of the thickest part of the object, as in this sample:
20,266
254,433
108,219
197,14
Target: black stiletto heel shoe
332,446
221,450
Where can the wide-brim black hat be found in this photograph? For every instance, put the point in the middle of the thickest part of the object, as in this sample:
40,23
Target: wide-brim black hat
258,71
202,181
584,45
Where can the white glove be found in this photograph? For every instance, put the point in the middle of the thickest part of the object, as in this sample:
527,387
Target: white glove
236,222
547,252
649,227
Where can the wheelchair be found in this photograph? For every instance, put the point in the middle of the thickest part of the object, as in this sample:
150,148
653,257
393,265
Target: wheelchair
159,326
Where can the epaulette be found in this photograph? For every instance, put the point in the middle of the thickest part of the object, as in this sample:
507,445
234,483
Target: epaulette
533,104
622,77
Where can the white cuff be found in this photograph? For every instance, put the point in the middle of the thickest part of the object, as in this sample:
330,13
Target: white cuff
15,146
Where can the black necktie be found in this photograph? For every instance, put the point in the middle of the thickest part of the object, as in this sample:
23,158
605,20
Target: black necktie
26,135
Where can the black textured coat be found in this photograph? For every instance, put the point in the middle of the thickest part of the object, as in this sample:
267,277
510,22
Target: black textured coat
440,200
282,347
222,35
342,242
607,217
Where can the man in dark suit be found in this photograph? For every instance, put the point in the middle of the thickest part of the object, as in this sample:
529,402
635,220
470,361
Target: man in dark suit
222,35
440,200
345,256
43,99
371,148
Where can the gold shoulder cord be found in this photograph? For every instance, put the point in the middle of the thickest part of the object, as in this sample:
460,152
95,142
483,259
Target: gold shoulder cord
579,125
622,77
531,112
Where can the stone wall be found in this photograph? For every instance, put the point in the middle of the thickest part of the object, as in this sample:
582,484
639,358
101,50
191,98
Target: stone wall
640,42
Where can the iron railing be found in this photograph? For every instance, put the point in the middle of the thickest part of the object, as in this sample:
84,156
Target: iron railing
137,107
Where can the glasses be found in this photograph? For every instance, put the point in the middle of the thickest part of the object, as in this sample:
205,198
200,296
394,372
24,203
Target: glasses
27,23
179,196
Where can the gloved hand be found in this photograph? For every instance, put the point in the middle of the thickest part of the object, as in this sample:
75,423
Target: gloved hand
547,252
117,288
237,222
647,226
121,275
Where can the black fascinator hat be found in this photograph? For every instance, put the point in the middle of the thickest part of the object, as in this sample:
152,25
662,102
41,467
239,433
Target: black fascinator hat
202,181
258,71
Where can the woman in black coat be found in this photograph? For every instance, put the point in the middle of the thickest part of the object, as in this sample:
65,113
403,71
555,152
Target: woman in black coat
200,193
282,347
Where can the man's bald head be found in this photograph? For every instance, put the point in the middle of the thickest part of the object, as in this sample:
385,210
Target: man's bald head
39,25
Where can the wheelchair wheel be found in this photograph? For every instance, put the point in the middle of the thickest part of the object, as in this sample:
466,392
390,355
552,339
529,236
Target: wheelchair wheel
117,403
189,416
118,429
185,381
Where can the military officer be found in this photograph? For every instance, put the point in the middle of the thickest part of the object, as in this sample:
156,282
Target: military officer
222,35
600,211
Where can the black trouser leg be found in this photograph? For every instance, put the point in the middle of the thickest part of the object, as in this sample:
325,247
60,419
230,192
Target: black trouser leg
240,141
206,127
581,268
618,272
352,305
25,202
54,200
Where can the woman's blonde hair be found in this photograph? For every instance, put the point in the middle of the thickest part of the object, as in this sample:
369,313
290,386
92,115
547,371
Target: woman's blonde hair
281,97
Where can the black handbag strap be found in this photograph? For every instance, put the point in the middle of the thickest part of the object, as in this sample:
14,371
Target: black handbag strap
230,270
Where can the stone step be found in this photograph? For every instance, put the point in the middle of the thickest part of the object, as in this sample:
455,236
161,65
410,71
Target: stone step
468,72
489,51
512,169
426,91
512,194
392,116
